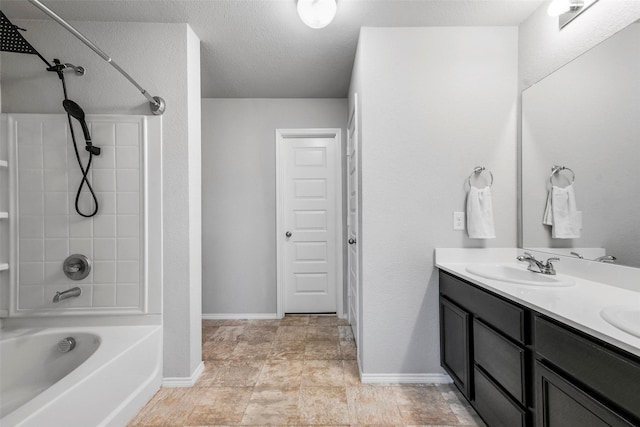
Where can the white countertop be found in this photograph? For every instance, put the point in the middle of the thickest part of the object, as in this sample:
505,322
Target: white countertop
578,306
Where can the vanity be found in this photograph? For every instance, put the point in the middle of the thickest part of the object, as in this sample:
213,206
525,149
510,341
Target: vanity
536,352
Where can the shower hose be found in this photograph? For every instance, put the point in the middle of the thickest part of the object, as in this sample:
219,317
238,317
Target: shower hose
84,170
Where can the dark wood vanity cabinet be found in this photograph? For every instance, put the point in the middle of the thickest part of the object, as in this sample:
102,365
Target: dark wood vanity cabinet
520,368
493,352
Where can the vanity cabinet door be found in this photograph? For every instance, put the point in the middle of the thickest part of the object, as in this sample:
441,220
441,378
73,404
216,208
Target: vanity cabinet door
610,375
455,325
559,403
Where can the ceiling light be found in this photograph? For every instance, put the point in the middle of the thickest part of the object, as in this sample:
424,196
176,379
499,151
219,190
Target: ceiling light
317,13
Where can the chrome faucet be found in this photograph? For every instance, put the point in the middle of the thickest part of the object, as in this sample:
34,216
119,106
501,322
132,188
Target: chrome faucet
70,293
606,258
538,266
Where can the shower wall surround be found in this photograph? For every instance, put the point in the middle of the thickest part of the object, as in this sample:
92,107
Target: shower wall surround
46,228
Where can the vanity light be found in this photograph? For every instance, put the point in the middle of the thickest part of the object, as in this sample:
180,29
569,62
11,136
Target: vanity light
568,10
558,7
317,13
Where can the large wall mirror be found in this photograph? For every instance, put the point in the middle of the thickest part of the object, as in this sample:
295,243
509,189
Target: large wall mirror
586,117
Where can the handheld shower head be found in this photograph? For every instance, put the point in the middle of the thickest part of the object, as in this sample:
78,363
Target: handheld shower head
75,111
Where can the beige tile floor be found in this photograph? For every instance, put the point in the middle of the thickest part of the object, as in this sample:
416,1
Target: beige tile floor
300,370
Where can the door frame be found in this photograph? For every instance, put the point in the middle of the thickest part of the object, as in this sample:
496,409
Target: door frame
281,136
353,122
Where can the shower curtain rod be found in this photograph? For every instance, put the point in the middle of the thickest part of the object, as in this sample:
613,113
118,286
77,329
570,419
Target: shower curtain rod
156,103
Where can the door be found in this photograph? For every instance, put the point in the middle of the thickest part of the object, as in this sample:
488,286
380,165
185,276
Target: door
309,221
561,403
454,344
352,222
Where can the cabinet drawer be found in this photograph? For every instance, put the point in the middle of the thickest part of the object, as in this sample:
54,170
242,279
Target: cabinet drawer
500,358
502,315
494,407
610,375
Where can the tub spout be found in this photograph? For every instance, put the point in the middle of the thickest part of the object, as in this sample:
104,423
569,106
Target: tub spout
71,293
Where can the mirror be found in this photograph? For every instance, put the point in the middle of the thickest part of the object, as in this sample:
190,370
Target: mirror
586,117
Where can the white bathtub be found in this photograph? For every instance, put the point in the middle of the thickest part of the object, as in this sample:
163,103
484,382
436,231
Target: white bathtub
104,381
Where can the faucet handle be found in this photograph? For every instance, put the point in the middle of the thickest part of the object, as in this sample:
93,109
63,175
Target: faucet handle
552,259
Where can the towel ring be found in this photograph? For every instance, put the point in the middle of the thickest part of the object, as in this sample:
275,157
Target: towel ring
477,171
557,169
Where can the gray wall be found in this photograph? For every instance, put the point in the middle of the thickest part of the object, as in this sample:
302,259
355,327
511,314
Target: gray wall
143,50
435,103
239,195
542,48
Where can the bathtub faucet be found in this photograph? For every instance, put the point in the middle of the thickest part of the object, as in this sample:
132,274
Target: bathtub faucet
70,293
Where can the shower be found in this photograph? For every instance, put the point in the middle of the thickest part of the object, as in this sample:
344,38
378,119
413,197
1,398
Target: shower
12,41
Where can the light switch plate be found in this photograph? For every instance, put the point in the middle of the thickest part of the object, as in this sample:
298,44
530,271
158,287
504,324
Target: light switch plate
458,220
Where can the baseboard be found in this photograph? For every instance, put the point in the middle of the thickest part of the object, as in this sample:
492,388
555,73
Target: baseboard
184,381
405,378
236,316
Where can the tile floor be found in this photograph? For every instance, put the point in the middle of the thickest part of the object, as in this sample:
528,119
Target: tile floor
300,370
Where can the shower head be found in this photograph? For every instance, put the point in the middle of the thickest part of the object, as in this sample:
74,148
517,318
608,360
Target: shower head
75,111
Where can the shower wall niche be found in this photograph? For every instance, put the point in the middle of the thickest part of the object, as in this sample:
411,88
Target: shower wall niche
45,227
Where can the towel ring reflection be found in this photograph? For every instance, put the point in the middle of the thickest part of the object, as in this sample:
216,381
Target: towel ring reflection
477,171
557,169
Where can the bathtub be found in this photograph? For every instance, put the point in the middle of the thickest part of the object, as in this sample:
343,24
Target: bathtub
103,381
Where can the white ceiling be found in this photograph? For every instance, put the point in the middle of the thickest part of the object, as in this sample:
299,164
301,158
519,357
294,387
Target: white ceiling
260,49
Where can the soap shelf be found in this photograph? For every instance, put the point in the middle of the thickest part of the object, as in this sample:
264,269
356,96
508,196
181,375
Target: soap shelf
4,164
4,267
4,215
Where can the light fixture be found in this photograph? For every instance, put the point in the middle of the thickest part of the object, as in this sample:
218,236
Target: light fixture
558,7
568,10
317,13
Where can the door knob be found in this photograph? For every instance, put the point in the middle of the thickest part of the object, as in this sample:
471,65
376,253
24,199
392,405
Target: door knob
288,234
352,241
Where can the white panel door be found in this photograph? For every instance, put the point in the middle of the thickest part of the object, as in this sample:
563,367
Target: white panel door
352,223
308,237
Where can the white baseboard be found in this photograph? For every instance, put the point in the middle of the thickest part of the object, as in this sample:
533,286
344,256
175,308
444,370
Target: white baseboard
405,378
184,381
236,316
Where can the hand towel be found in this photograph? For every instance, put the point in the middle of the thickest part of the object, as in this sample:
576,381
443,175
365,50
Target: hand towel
480,214
562,214
547,218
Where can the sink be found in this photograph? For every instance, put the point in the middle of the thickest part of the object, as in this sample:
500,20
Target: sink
518,275
625,318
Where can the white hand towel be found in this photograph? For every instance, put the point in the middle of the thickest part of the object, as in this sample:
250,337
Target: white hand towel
480,214
547,218
565,217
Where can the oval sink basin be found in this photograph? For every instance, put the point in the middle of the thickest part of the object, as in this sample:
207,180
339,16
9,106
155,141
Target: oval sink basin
625,318
518,275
